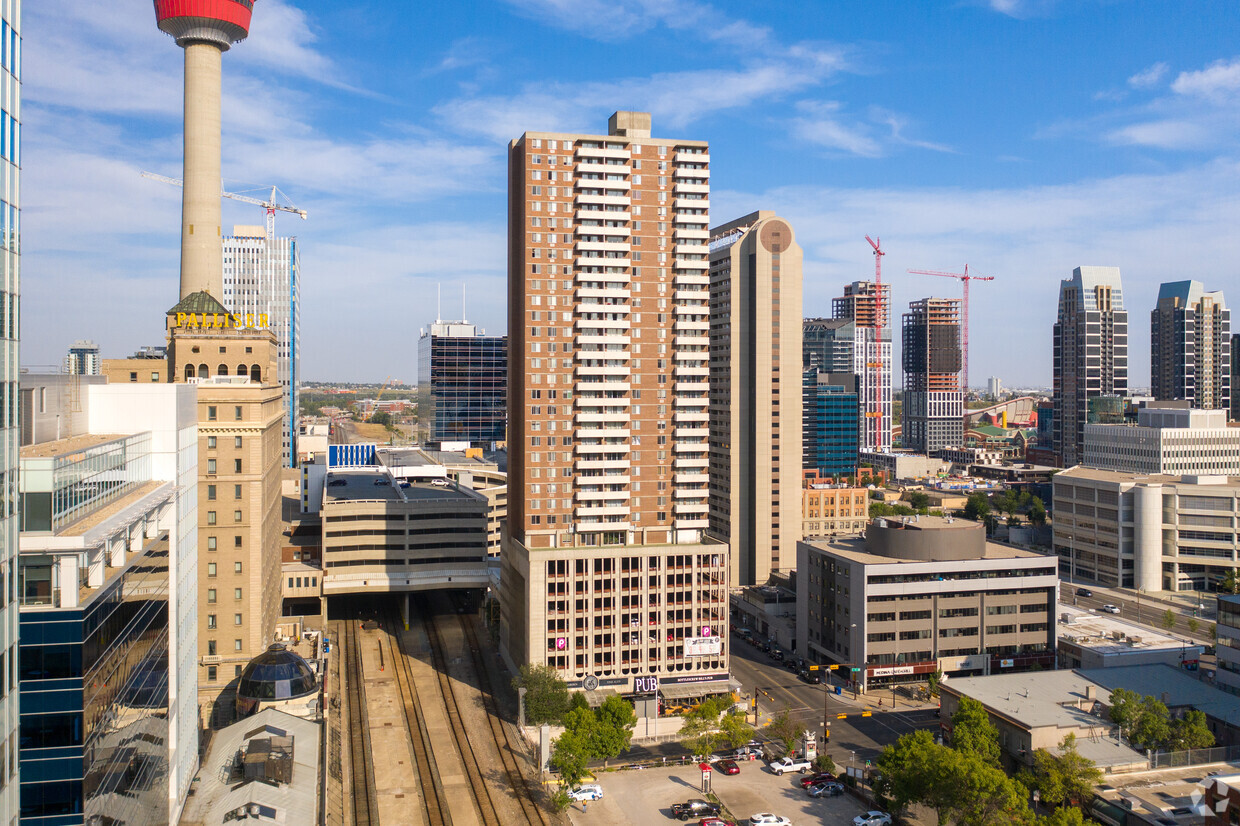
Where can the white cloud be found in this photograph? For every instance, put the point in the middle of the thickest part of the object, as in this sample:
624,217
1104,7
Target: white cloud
821,124
1149,77
1218,83
1164,134
1022,9
620,19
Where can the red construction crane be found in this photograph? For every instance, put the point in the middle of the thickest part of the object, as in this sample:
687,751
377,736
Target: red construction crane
876,364
964,278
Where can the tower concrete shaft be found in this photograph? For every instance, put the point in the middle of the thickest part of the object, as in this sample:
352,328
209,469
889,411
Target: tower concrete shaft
202,261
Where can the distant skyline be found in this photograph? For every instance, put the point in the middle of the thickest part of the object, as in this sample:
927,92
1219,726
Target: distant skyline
1024,137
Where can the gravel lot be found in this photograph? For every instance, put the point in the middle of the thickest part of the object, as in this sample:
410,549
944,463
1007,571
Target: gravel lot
642,797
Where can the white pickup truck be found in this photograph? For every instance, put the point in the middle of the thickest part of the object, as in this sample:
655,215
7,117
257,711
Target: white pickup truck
787,764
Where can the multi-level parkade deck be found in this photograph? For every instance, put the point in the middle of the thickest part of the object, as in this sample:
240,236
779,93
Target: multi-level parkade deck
390,528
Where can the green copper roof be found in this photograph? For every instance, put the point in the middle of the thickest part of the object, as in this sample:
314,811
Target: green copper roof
199,302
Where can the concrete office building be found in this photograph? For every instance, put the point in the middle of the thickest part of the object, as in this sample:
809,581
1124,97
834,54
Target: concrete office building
1152,532
829,426
463,384
994,387
262,276
1088,639
1090,357
1190,346
83,359
827,344
10,290
1227,677
869,308
607,412
933,395
755,394
108,601
829,507
918,595
1235,377
1169,438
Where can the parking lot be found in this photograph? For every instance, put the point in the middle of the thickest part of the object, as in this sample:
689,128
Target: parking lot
641,797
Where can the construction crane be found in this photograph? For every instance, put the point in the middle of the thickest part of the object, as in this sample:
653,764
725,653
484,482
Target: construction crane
379,396
271,204
876,363
964,278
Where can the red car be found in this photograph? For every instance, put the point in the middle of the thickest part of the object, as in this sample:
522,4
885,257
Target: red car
729,767
821,777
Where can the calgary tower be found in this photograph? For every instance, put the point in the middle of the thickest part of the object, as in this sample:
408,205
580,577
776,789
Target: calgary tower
205,29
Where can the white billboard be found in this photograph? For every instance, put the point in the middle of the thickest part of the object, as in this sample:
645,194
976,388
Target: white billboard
703,646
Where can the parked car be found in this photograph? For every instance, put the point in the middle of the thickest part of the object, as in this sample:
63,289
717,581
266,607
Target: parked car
818,777
1111,609
827,789
872,819
811,677
715,821
768,819
729,767
590,791
695,808
1084,592
788,764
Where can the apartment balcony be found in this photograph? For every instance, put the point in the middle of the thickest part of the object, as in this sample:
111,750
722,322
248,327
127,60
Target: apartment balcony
601,401
600,525
690,493
686,370
602,246
601,495
691,264
608,186
689,524
692,432
684,416
599,432
691,157
603,464
690,478
684,325
602,386
602,370
595,511
594,306
691,174
584,419
690,447
689,279
686,354
692,340
583,167
583,152
691,295
584,294
605,277
584,199
682,508
684,234
588,214
601,261
693,188
604,340
691,310
685,218
691,249
692,401
691,203
685,463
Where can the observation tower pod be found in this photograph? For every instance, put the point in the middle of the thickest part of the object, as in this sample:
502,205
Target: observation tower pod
219,22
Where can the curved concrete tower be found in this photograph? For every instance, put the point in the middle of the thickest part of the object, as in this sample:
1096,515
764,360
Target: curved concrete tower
205,29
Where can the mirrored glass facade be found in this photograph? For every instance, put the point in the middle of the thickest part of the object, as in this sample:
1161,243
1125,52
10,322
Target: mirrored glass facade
463,382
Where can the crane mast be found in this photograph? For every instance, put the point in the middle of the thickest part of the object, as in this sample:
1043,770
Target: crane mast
964,278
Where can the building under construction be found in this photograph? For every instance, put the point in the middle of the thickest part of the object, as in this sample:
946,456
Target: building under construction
868,306
933,415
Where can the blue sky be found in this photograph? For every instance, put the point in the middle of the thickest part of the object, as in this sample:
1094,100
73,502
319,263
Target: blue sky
1024,137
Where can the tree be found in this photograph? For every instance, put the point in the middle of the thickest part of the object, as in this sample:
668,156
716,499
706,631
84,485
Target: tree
918,500
977,507
735,729
784,729
616,721
1153,726
1124,710
1213,631
381,417
701,731
973,732
1229,583
1190,732
1168,620
546,694
1193,626
1065,778
1037,512
1069,816
934,681
570,756
824,763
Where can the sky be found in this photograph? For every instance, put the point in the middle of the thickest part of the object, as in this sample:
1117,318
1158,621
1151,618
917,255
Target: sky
1022,137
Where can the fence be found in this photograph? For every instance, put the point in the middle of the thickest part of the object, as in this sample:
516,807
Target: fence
1193,757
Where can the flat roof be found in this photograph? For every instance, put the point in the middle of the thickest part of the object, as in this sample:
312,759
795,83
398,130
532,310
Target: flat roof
1035,700
368,484
72,444
1096,632
1196,480
853,549
98,517
1181,688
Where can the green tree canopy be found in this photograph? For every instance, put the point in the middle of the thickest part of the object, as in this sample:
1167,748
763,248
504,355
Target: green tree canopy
570,756
616,720
712,725
1190,732
1065,778
546,694
977,507
973,732
1229,583
918,500
1168,619
784,729
1037,512
1069,816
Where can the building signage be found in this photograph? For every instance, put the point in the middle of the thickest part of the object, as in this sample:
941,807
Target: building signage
1006,663
696,678
890,671
703,646
645,685
222,320
561,643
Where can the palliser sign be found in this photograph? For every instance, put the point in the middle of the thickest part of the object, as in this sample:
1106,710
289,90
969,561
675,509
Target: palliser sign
222,320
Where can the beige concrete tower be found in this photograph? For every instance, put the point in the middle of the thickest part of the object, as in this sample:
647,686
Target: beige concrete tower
205,29
755,394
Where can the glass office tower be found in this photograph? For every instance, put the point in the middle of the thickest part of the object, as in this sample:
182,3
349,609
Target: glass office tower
462,383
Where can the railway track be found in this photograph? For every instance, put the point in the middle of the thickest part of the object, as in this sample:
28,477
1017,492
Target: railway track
434,800
525,790
364,797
